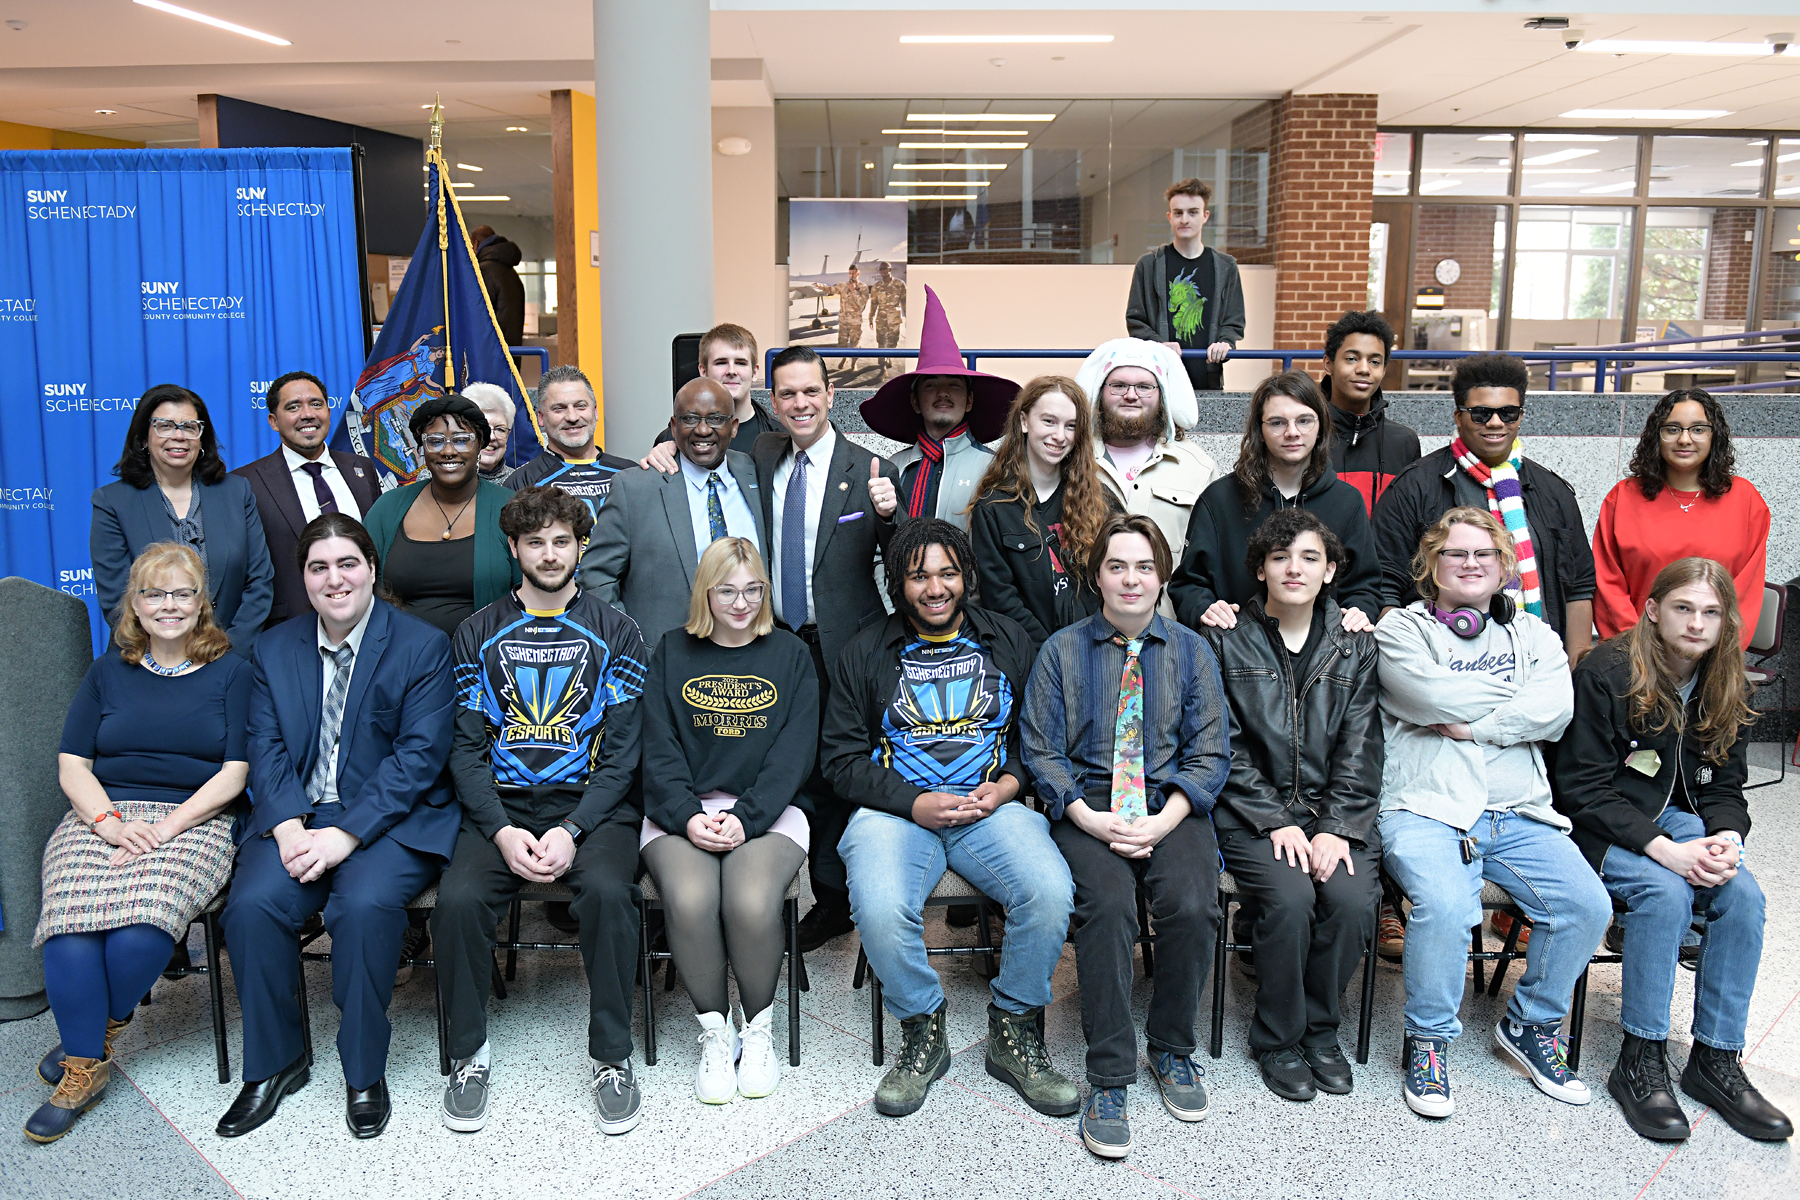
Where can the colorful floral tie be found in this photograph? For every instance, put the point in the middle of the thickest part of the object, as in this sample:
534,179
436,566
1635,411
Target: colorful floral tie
1128,735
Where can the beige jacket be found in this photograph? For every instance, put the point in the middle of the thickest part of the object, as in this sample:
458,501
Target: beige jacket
1165,491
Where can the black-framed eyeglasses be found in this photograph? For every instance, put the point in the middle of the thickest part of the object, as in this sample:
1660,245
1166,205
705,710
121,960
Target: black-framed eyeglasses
1133,389
1481,414
713,420
1459,558
1672,432
155,596
167,428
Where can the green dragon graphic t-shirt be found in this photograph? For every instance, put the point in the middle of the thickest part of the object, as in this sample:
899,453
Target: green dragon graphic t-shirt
1192,293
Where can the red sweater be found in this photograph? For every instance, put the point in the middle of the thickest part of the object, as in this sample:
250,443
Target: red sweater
1636,538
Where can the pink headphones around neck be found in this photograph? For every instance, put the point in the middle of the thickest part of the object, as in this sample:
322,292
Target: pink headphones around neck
1469,622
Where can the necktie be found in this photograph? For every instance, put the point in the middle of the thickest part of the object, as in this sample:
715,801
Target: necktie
793,546
331,721
1128,735
321,489
715,512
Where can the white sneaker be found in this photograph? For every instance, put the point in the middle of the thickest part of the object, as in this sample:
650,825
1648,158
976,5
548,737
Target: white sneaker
759,1070
716,1081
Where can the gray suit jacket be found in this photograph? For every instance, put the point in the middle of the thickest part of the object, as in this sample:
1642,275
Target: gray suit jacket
641,558
845,598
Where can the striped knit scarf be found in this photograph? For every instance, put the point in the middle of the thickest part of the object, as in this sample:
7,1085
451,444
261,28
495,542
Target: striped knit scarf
931,463
1507,502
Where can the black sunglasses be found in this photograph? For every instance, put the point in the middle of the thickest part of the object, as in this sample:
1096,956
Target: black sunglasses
1481,414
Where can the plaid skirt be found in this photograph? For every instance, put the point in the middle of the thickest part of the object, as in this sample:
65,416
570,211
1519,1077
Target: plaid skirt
167,888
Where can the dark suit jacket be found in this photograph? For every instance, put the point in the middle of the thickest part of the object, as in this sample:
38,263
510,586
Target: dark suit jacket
282,519
239,579
393,746
640,557
845,598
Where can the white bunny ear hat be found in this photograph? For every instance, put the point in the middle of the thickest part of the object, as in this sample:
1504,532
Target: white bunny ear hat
1177,392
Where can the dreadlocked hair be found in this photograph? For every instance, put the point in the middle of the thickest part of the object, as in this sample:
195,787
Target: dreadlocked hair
907,549
1719,677
1084,503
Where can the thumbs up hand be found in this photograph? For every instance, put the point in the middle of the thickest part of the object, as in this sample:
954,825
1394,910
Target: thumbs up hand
881,491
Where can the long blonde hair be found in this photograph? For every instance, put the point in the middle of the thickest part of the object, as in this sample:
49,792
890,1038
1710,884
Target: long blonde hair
205,643
1084,507
1719,678
720,559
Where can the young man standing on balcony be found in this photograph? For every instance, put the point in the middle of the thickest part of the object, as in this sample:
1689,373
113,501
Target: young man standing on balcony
1187,295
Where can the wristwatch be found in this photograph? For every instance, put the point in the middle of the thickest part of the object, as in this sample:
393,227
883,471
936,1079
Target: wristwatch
575,832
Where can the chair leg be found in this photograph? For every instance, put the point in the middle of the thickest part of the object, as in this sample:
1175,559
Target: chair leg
512,937
215,984
1475,947
862,969
795,970
1143,915
499,983
443,1022
878,1048
644,976
1508,953
1365,1023
1577,1019
305,1015
1216,1046
987,936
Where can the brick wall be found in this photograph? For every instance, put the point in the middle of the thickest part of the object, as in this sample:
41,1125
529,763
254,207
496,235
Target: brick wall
1464,232
1324,184
1729,256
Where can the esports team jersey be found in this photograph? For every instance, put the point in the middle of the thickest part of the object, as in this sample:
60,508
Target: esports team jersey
945,730
551,699
586,479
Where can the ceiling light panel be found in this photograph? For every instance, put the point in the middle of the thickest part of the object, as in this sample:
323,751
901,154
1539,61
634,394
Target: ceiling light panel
1644,114
1703,49
981,116
1003,39
965,145
962,132
949,166
177,11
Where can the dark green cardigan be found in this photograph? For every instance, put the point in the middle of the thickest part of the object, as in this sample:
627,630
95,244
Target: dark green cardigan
496,570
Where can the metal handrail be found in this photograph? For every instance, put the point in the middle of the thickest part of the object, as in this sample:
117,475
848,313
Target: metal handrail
1605,361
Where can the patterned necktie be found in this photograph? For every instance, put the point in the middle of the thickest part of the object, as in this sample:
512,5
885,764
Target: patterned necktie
715,511
331,721
1128,735
793,546
321,489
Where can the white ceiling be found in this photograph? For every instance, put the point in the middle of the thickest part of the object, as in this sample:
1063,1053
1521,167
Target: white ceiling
376,63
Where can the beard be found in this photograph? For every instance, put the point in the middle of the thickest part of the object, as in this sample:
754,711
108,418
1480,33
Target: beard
1129,431
937,628
546,583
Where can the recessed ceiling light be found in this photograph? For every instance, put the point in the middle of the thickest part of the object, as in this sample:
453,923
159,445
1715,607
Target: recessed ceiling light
471,199
965,145
467,167
516,129
1002,39
965,132
1644,114
989,116
934,196
106,112
868,166
949,166
930,183
216,23
1705,49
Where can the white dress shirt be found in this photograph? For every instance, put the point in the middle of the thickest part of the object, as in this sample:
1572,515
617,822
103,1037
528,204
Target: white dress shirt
334,479
818,473
326,669
739,521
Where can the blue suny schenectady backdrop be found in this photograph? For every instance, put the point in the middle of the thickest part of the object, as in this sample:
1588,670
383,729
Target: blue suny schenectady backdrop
215,269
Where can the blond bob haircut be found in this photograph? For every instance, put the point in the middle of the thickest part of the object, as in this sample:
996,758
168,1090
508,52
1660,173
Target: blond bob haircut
721,559
207,641
1424,563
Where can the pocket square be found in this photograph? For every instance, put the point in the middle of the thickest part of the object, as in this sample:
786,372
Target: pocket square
855,516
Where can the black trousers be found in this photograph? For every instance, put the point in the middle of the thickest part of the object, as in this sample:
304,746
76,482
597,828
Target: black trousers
830,815
1182,878
1308,936
473,896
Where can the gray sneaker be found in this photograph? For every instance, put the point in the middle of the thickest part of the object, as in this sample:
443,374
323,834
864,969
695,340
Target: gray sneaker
466,1095
1178,1076
617,1095
1105,1129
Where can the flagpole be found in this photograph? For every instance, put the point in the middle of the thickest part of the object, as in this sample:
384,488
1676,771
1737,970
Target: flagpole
436,159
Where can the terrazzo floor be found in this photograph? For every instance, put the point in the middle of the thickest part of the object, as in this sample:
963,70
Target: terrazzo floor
820,1137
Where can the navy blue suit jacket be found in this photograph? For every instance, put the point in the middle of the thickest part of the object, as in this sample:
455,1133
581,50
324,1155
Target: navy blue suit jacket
239,577
393,745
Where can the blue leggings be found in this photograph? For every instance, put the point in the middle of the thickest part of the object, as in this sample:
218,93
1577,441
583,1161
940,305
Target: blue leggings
92,976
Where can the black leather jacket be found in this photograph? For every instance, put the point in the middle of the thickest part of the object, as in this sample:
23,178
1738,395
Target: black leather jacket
1304,752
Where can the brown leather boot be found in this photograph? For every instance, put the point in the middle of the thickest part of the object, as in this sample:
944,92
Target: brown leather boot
83,1086
50,1066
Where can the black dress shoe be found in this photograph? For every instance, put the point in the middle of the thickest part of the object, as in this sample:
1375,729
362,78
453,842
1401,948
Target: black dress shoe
829,918
961,916
179,962
258,1100
1640,1083
1716,1079
1330,1069
366,1110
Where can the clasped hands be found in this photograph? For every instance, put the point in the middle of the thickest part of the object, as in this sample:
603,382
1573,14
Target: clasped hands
716,834
540,860
134,838
1704,862
309,853
1318,857
941,810
1127,839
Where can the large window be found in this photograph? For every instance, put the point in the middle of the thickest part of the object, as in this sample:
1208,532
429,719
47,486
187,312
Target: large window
1036,181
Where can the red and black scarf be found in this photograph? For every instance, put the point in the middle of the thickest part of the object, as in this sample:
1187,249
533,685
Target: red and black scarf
931,466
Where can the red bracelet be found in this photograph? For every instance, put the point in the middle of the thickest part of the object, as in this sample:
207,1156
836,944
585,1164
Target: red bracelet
111,812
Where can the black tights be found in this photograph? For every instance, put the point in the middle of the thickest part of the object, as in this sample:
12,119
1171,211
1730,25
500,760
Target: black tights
725,904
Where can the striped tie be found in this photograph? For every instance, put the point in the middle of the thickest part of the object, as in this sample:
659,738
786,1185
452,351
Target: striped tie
330,721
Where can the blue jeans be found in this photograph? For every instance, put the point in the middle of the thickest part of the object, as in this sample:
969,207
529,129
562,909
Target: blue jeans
1662,907
1545,875
893,864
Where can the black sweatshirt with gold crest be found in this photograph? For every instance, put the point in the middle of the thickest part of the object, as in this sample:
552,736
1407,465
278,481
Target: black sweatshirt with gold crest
741,720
